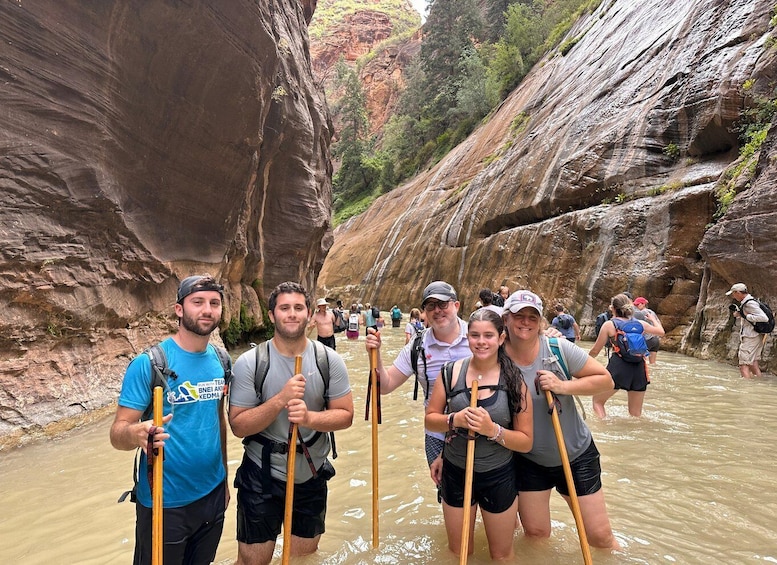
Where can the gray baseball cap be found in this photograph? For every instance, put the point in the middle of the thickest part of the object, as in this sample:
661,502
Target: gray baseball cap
440,290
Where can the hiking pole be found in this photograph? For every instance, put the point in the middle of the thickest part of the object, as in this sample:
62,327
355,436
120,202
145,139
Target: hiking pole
291,461
374,392
157,533
468,476
562,448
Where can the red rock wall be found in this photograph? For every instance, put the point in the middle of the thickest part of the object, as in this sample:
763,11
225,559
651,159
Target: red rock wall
141,142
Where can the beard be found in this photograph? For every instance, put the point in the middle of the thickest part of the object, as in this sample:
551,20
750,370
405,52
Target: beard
199,328
281,331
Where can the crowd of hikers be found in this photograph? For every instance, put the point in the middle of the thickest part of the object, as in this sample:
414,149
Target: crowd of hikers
489,384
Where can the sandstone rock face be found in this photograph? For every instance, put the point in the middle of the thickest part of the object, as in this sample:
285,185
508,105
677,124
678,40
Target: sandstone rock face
572,188
140,143
382,74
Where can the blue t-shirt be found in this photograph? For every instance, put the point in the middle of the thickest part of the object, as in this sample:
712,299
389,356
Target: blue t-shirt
193,463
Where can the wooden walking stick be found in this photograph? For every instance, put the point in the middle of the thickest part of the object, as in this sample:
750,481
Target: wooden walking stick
291,461
468,476
562,448
157,533
374,398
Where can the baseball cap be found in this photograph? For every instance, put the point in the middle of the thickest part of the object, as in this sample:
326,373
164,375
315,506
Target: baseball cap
640,300
440,290
521,299
321,302
198,283
738,287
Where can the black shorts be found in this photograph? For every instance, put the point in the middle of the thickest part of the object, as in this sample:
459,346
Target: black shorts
260,515
586,473
328,341
494,491
191,533
653,343
628,376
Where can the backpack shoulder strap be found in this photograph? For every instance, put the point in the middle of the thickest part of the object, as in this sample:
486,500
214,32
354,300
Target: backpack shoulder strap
416,351
262,366
226,362
160,373
322,364
558,353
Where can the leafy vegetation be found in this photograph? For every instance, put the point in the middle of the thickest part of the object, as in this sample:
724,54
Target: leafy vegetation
754,125
473,53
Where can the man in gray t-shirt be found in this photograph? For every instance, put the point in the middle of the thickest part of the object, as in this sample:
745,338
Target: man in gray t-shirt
263,418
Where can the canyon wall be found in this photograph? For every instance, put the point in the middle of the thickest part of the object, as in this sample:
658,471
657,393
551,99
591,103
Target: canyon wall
598,174
141,142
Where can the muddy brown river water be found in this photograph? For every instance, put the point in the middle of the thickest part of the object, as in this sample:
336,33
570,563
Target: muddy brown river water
694,481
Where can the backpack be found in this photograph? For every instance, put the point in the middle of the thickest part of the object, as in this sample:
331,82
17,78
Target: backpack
375,313
339,324
565,321
560,359
761,327
160,373
396,314
353,322
629,343
600,320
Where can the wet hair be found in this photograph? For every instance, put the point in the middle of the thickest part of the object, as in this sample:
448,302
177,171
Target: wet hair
287,288
559,308
508,370
622,306
415,313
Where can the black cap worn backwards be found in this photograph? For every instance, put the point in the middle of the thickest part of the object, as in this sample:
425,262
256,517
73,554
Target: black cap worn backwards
197,283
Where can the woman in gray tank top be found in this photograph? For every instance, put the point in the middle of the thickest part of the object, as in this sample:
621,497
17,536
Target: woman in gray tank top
502,423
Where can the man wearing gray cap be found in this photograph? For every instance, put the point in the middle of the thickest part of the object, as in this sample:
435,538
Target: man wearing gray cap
751,343
445,340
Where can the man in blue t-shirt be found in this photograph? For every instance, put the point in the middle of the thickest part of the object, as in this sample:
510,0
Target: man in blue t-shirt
193,433
566,324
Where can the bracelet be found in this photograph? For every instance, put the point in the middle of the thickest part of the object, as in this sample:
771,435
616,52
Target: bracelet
450,421
496,433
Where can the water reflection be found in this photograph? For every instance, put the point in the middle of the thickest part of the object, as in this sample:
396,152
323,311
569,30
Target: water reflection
693,481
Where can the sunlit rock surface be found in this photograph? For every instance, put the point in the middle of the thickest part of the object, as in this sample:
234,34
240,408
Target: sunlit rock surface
141,142
573,188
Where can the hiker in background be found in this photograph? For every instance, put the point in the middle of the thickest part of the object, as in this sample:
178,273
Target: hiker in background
540,470
751,343
324,322
369,318
629,372
486,297
446,340
354,321
194,440
642,312
396,316
316,404
415,325
502,423
566,324
600,320
504,293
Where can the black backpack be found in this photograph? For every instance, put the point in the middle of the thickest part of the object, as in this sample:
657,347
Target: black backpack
375,313
160,374
761,327
565,321
339,324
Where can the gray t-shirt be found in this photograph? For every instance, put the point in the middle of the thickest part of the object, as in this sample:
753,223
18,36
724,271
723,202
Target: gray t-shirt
243,394
577,436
